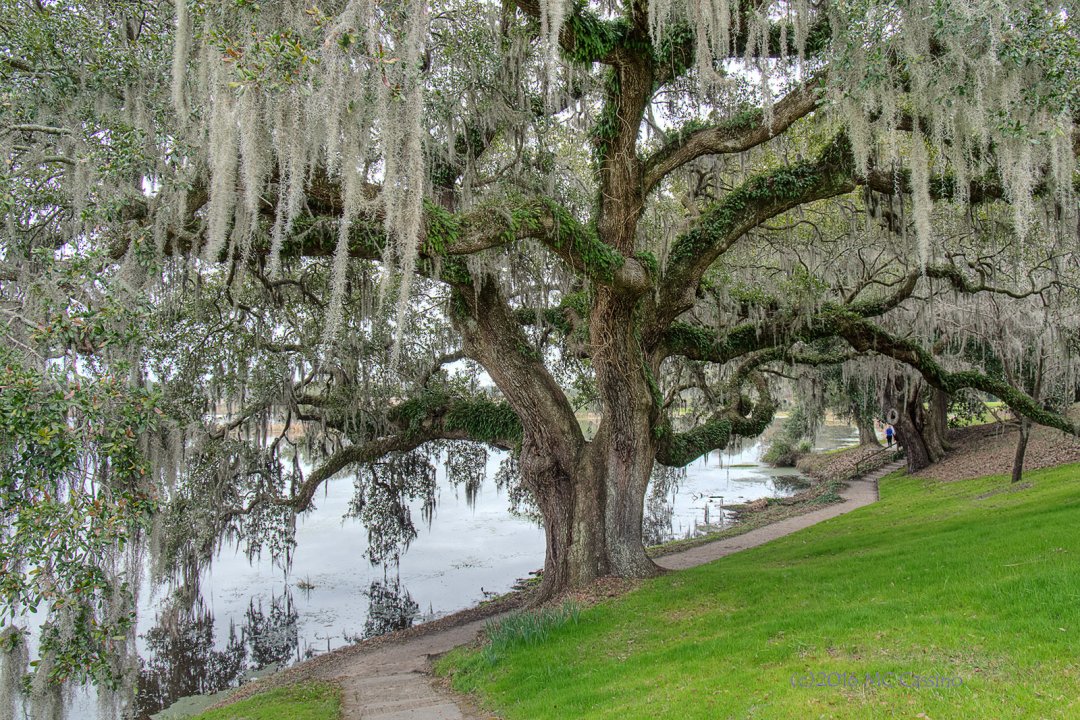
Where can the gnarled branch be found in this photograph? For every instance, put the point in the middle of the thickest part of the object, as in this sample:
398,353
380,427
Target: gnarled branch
735,135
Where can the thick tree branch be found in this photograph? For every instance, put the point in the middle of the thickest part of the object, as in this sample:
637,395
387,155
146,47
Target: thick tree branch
680,449
735,135
865,336
941,187
429,417
445,236
47,129
494,338
743,209
696,342
437,364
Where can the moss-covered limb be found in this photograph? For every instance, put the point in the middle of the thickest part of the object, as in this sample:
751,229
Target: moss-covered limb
680,449
696,342
585,37
762,197
346,457
1016,399
759,418
961,283
905,288
629,90
798,354
677,54
737,134
538,218
427,417
606,129
979,190
434,413
448,235
578,244
743,209
866,336
777,334
493,337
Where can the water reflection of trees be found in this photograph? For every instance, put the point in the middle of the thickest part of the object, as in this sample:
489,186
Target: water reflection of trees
660,505
390,608
385,490
182,657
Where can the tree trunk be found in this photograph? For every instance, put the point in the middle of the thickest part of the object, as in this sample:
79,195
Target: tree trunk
915,427
867,433
592,519
572,508
624,445
927,423
1021,450
938,419
1025,424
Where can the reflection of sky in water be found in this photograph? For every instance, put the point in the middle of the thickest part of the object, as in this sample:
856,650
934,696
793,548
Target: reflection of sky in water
464,549
714,480
464,552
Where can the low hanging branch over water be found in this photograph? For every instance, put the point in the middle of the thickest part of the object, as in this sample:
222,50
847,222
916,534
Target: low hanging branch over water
429,417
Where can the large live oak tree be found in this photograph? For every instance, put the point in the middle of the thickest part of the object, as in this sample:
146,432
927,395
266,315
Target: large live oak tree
557,178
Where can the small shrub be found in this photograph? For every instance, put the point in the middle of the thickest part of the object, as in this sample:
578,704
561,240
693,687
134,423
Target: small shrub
782,452
792,441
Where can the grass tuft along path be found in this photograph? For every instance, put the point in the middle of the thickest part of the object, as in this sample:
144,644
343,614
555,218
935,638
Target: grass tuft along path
940,601
305,701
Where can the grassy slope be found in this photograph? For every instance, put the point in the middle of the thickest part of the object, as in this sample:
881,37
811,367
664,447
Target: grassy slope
935,579
308,701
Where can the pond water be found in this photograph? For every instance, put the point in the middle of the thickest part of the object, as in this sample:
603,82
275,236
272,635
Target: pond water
254,615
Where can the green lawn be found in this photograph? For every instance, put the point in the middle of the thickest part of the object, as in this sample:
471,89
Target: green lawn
307,701
969,580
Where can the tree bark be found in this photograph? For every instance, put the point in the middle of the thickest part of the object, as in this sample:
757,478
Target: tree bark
592,517
1021,450
625,446
915,427
867,433
1025,424
938,419
572,508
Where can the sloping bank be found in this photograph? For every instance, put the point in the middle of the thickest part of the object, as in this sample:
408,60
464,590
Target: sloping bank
949,600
